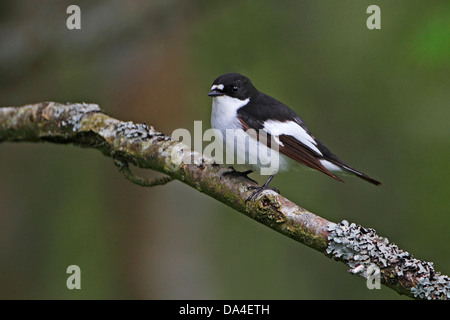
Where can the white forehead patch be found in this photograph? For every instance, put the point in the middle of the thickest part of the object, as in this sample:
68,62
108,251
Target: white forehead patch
217,86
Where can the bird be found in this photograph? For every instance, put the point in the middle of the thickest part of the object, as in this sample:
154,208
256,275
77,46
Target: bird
237,105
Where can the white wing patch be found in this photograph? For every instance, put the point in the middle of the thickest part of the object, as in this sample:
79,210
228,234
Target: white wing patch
290,128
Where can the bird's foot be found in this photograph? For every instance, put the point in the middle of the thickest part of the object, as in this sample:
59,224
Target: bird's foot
258,191
235,173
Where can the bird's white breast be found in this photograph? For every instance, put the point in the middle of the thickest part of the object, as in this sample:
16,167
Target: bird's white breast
245,147
224,113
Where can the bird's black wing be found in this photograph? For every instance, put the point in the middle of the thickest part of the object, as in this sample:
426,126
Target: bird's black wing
254,116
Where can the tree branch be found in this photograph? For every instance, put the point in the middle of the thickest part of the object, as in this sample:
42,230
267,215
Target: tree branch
124,168
86,125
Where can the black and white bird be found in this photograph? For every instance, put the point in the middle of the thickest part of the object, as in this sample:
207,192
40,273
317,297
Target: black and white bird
239,106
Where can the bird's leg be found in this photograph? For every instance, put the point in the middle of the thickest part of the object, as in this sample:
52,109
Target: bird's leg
234,173
258,190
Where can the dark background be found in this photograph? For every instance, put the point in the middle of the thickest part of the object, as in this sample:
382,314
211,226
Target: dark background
378,98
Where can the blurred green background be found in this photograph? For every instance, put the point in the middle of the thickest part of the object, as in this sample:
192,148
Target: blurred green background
380,99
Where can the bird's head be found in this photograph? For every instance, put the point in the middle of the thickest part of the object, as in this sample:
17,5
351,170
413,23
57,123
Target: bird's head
233,85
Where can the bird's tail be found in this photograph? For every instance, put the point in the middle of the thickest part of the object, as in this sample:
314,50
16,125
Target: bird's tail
360,175
331,158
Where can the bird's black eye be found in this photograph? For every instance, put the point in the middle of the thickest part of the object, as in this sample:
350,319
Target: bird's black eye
235,89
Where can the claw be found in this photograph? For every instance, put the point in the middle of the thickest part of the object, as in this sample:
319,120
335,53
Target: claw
258,190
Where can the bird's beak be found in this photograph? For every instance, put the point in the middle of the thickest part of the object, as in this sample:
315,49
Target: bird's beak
215,93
